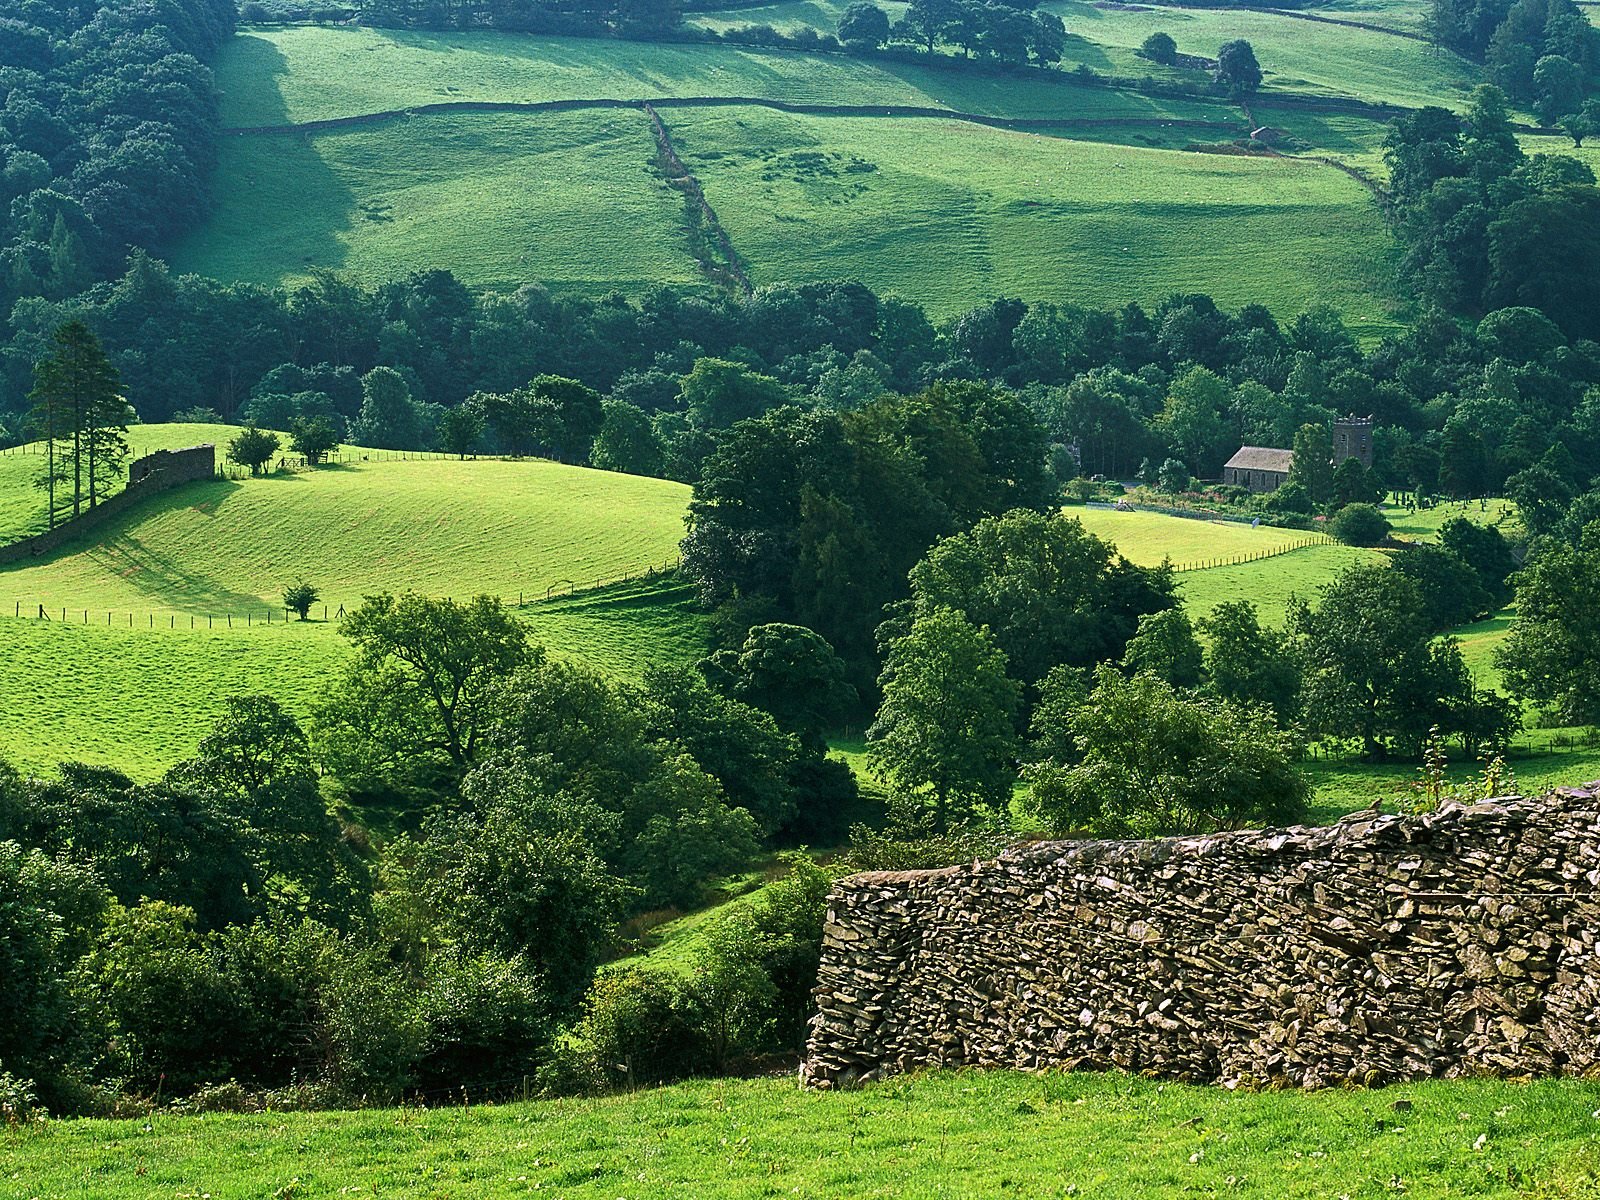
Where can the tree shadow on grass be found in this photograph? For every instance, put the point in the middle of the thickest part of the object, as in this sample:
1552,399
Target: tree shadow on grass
162,577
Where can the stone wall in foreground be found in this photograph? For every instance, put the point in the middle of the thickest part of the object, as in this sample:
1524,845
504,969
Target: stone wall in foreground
1378,949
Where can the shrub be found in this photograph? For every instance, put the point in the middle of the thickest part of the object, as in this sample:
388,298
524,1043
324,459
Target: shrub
19,1101
487,1020
1160,48
299,596
1359,525
1292,497
636,1026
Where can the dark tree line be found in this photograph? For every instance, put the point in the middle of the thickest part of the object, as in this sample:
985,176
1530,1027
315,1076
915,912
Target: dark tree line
618,18
1461,408
1540,52
1487,226
108,119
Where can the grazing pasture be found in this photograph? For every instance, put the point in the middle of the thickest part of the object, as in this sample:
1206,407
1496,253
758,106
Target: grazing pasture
955,214
158,615
950,212
1297,55
565,198
299,74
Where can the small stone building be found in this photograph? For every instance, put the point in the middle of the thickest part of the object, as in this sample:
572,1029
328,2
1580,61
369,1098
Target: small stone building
1352,438
1258,468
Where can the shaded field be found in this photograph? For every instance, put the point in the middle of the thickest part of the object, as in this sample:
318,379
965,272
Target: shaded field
568,198
953,214
965,1134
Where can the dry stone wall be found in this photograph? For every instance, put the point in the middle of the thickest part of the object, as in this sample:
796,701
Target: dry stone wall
1381,948
147,476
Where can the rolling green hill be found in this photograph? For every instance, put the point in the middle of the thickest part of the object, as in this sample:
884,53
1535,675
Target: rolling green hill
947,1134
294,75
439,527
1297,55
953,214
158,616
949,212
878,188
564,198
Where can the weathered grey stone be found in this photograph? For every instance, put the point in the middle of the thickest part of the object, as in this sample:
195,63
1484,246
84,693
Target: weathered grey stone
1381,948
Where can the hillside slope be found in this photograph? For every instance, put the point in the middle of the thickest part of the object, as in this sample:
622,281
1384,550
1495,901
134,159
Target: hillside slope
155,618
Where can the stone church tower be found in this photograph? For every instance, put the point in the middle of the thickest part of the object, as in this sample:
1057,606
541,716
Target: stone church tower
1352,438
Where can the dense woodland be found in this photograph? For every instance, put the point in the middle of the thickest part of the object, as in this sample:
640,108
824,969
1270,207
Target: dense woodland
412,893
108,122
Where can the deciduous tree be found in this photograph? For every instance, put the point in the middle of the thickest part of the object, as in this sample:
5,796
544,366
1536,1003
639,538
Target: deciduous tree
944,731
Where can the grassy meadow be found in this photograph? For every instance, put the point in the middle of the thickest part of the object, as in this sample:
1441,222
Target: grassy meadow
953,214
566,198
138,696
1296,55
298,74
501,198
936,1135
440,527
160,614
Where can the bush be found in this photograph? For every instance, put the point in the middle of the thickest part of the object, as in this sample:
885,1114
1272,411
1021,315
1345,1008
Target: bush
487,1022
1160,48
299,596
19,1101
908,846
636,1026
1292,497
1359,525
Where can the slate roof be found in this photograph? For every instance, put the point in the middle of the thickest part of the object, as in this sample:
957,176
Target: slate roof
1261,458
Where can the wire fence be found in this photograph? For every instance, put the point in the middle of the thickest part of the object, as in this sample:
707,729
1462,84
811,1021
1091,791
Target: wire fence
1250,556
248,616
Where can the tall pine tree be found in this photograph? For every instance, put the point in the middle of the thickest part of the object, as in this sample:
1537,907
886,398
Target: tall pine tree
82,418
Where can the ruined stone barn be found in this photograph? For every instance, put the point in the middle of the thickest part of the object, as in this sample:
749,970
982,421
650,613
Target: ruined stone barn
1259,468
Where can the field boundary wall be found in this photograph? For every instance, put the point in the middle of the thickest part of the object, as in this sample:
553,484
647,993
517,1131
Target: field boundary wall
148,476
1459,942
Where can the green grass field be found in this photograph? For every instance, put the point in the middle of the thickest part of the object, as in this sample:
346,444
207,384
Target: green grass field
952,214
1146,538
1296,55
159,615
292,75
501,198
943,1135
439,527
565,198
139,696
